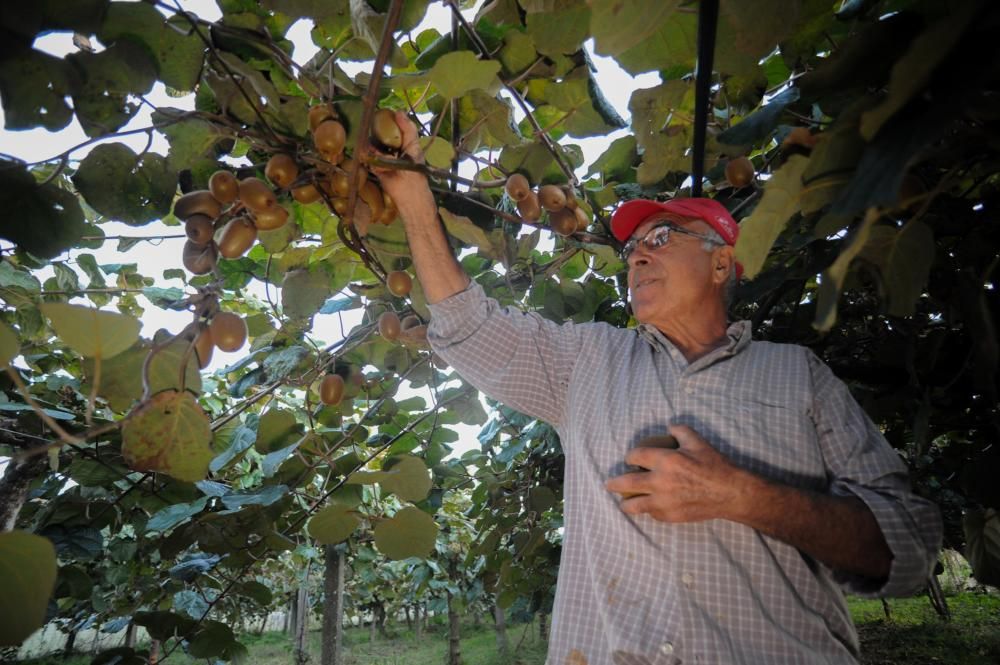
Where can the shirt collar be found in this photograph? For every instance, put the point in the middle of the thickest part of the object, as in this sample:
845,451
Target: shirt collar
738,337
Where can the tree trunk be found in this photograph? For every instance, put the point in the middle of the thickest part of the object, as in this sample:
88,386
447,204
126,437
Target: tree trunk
454,636
418,629
381,616
302,624
371,626
130,634
286,621
500,625
543,627
333,607
409,619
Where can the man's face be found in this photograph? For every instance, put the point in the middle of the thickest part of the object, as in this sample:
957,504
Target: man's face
673,280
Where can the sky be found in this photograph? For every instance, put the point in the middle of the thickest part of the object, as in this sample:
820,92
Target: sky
153,258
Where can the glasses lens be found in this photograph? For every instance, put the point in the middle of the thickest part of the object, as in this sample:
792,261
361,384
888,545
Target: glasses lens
658,237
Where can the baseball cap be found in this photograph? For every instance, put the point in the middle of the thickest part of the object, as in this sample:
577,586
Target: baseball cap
631,214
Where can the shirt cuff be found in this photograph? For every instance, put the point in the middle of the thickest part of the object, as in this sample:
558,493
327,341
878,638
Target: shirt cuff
912,530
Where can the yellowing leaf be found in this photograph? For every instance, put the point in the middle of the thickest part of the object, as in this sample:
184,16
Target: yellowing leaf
781,200
463,229
333,524
91,332
410,532
169,434
10,347
459,72
28,571
437,151
408,479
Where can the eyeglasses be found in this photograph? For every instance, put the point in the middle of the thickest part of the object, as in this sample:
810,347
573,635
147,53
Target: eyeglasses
658,236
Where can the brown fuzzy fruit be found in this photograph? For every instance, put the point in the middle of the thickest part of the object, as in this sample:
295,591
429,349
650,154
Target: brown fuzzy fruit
268,220
528,208
198,202
399,283
224,186
571,202
360,174
389,211
389,326
203,347
282,170
372,195
739,172
237,237
329,137
582,222
306,194
320,113
229,331
339,184
517,187
410,321
340,206
331,390
385,131
199,259
551,197
256,195
199,229
563,222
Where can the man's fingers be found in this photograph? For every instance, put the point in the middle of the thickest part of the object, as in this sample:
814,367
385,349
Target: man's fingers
411,140
686,437
646,457
636,505
629,484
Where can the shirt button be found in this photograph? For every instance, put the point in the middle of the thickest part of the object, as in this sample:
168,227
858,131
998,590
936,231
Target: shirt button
666,648
687,579
689,390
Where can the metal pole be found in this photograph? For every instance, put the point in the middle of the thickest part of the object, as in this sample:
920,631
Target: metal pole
708,17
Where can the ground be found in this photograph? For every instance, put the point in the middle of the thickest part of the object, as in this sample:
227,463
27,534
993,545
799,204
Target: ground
912,634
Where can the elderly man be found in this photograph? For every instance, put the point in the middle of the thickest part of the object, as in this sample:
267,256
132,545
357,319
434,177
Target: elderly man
732,547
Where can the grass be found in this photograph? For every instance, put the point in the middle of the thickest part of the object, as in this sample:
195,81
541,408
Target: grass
913,634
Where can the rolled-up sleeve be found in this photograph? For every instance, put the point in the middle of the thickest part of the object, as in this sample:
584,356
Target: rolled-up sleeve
518,358
863,464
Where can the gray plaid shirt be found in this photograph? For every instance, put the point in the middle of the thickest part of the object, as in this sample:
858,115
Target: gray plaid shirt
635,591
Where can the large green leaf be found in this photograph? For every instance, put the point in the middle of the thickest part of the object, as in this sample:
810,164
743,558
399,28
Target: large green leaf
121,377
179,513
618,25
10,346
125,187
410,532
303,292
101,93
560,31
461,72
333,524
34,87
28,570
190,139
169,434
470,234
909,266
651,110
42,219
277,428
671,46
92,333
780,201
214,640
408,479
834,276
750,29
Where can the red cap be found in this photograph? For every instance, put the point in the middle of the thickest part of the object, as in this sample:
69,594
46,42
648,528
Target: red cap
631,214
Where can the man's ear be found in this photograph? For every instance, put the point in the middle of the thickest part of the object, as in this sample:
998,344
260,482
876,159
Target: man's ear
723,261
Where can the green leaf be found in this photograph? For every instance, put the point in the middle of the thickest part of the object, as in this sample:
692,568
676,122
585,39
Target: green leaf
615,163
408,479
101,94
470,234
34,87
169,434
560,31
672,44
190,139
92,333
121,376
335,305
263,496
273,460
748,31
28,569
257,592
122,186
212,641
177,51
437,151
10,346
780,201
242,439
651,109
304,292
460,72
758,125
57,221
164,625
909,266
165,298
618,25
175,515
834,276
410,532
333,524
275,429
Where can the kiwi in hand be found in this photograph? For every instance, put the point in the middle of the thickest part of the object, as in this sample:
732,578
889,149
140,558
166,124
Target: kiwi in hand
385,133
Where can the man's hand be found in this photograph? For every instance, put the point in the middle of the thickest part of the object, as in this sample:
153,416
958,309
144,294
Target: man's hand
690,484
408,188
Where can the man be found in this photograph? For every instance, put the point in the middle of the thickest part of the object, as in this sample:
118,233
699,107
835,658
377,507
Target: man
733,547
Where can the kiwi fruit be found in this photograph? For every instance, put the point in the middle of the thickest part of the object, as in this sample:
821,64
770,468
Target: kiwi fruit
198,202
582,222
229,331
282,170
739,172
256,194
199,259
224,186
331,390
563,222
339,184
319,114
571,202
339,206
203,347
199,229
410,321
372,195
551,197
385,132
399,283
306,194
268,220
332,158
389,326
528,208
389,210
237,237
329,137
517,187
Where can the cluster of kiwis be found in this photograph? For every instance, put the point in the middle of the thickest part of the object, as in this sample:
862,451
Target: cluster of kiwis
566,216
225,331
